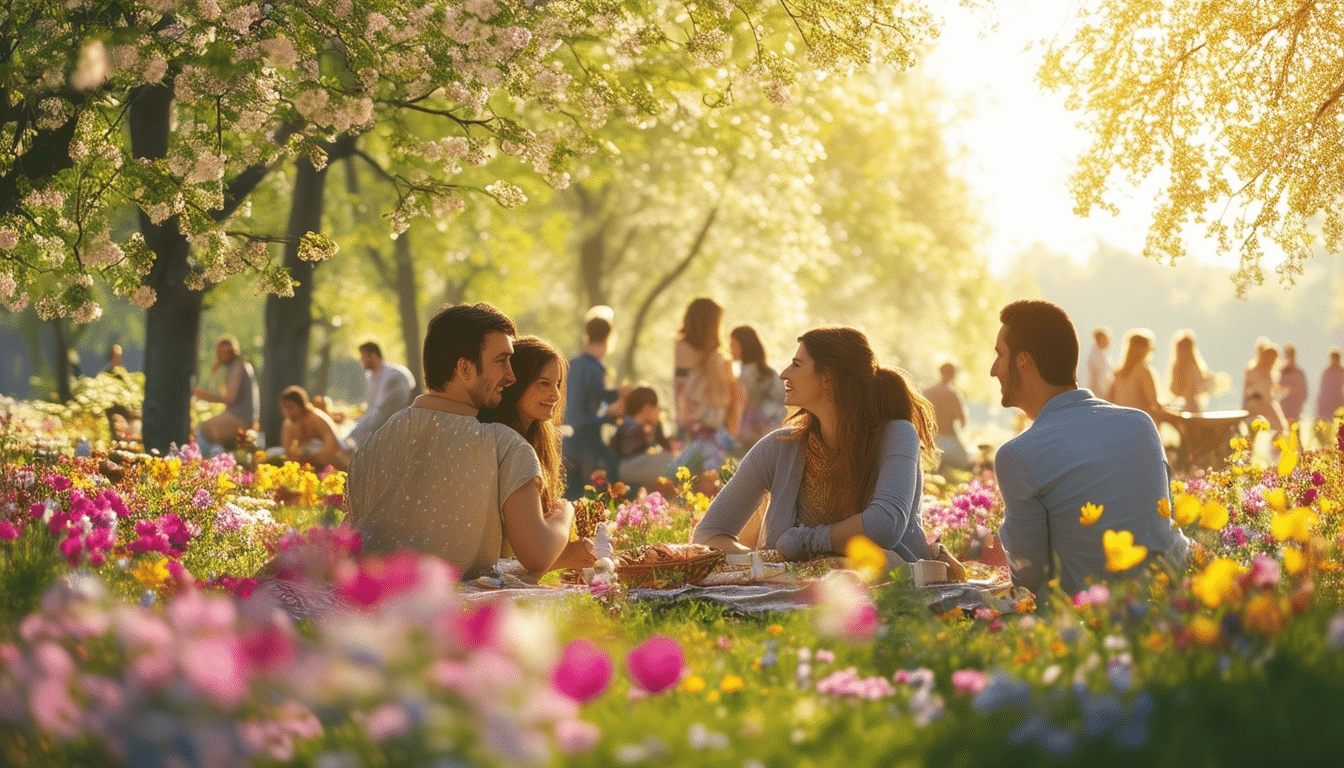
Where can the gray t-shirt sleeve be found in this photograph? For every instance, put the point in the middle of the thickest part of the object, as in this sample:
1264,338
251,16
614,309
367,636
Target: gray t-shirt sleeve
734,505
518,463
891,510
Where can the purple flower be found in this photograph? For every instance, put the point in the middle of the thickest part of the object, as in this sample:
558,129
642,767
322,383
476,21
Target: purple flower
1308,496
1317,478
8,532
201,499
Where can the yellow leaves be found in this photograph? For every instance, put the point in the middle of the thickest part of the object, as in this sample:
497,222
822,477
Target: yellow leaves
1187,509
1091,513
1294,525
866,557
1213,516
1217,583
1121,551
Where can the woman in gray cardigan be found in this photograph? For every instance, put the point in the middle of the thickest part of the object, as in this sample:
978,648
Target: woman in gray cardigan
848,462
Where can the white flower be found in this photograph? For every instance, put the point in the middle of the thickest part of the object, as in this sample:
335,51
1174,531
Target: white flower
8,238
155,70
87,312
144,297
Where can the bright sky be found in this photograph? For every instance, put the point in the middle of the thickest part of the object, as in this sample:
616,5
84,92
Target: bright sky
1022,140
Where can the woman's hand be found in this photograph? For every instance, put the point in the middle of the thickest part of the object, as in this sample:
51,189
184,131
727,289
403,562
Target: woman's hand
804,542
956,572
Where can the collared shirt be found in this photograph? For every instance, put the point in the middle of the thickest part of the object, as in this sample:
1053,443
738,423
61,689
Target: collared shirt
1083,450
586,393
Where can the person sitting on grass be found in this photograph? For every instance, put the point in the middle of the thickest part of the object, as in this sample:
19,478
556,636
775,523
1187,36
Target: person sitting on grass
644,449
531,405
849,461
309,435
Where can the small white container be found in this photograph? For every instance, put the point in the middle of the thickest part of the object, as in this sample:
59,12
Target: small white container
926,572
738,558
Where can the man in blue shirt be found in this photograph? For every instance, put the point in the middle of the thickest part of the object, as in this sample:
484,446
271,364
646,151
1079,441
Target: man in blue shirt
588,405
1079,450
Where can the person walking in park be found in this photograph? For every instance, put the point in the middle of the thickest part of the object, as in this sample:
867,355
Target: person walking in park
1080,450
532,405
239,398
589,404
308,435
1260,386
763,407
1099,373
1190,376
1293,385
851,464
437,480
388,387
950,408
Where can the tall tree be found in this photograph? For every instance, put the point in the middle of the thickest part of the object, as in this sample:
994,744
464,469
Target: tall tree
1236,106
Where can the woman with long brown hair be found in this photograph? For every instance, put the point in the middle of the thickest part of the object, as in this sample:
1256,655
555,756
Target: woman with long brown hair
1135,383
849,461
706,395
532,405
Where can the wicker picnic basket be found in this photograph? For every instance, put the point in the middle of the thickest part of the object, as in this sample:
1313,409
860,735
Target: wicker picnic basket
662,566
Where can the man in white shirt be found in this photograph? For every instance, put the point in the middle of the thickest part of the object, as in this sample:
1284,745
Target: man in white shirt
388,387
1099,371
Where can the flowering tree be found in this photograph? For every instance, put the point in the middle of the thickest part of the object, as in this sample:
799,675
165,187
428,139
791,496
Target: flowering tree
215,92
1238,103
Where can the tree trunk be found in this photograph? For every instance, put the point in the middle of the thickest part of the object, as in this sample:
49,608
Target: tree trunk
630,370
61,356
289,319
173,323
408,306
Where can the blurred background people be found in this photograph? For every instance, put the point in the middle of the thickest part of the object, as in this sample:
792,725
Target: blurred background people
1099,362
388,387
640,441
1292,385
1260,385
1190,376
590,403
308,434
1331,395
763,408
949,408
1135,382
239,397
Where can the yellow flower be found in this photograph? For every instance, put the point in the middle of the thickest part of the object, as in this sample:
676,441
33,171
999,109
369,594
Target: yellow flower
731,683
225,484
1121,551
712,697
683,474
619,489
1287,463
1263,615
1259,425
1276,499
1217,583
1239,444
1328,506
1294,561
1187,509
152,575
1294,525
1164,507
774,630
693,684
1213,516
1091,513
866,557
1204,630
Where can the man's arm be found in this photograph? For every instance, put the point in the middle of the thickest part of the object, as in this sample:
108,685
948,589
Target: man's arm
536,539
1025,531
327,429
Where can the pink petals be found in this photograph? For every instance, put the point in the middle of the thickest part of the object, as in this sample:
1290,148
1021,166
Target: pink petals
584,671
656,664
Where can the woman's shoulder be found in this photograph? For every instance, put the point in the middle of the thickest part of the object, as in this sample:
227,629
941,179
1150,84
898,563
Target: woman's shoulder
900,429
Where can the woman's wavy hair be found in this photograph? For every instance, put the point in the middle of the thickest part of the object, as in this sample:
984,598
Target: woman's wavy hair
753,351
530,356
866,396
701,325
1139,344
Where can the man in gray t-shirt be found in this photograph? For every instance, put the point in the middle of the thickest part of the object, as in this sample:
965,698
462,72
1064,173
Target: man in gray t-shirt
1080,450
436,480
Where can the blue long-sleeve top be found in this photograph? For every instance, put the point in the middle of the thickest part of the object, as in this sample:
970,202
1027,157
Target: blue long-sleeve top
586,393
775,465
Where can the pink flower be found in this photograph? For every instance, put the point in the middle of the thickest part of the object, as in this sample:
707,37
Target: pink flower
968,681
477,629
387,721
576,736
373,580
8,532
215,667
1093,595
656,663
584,671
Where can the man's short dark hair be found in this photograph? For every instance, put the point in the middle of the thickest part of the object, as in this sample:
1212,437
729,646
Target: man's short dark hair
457,332
1044,331
371,347
597,330
638,398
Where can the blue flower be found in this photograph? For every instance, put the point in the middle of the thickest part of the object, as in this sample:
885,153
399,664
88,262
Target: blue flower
1001,691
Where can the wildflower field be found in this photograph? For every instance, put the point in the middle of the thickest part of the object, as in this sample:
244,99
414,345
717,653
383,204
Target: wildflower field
138,630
